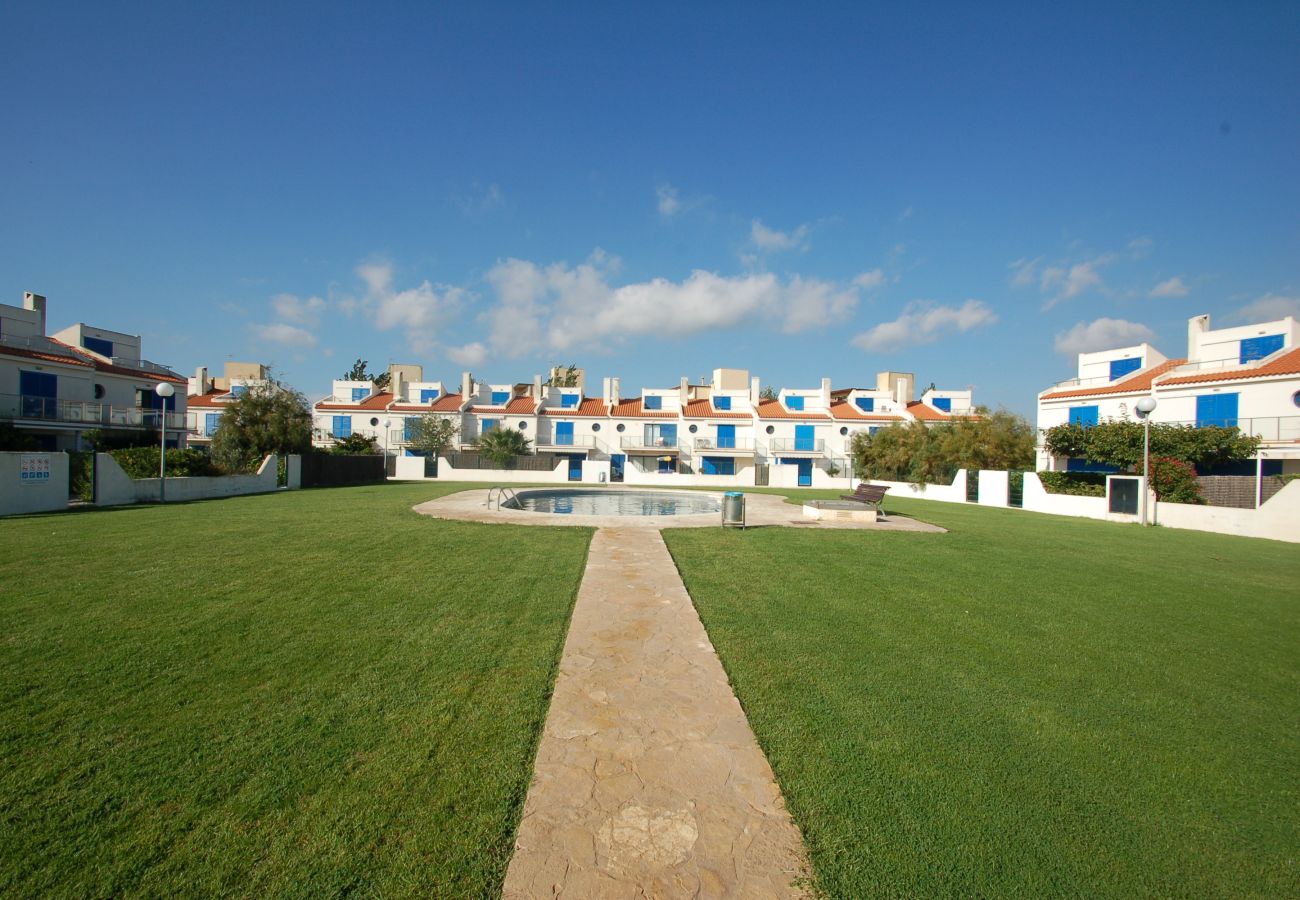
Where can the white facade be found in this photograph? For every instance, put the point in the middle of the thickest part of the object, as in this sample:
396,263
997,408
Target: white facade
57,387
1247,376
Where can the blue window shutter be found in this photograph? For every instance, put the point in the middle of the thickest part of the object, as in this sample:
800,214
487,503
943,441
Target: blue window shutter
360,394
427,394
210,423
866,404
794,403
1260,347
722,403
941,403
98,345
1121,367
500,398
726,436
1216,409
1083,415
803,437
564,433
410,428
342,426
487,425
669,434
568,401
239,390
709,466
653,403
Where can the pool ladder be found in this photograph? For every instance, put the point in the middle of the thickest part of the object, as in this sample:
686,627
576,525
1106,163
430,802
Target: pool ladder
500,495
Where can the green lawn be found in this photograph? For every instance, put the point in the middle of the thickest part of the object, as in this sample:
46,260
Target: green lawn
312,694
1027,705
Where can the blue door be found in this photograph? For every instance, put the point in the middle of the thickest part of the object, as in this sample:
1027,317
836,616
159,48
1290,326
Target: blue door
616,461
39,391
727,436
805,473
803,439
575,468
564,434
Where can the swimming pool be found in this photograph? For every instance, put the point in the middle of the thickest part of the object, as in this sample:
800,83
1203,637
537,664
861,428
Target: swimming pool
578,502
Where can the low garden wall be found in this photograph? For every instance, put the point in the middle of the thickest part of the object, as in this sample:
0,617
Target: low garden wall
33,482
113,487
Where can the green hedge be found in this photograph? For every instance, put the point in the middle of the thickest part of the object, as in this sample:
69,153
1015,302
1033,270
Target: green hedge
142,462
1080,484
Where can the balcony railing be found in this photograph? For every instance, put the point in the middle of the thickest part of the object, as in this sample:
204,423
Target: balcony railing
1270,429
637,442
741,445
567,440
797,445
51,409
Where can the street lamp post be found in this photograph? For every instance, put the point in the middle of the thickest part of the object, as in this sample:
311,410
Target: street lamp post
1145,407
164,390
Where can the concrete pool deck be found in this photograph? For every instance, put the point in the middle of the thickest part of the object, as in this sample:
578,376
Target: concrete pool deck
762,510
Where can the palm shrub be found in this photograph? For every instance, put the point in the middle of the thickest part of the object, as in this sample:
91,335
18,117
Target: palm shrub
501,445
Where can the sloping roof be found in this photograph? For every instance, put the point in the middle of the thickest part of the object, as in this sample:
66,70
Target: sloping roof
590,406
521,406
1139,383
109,368
773,409
849,412
378,401
1286,364
704,409
28,353
926,413
213,397
446,403
631,409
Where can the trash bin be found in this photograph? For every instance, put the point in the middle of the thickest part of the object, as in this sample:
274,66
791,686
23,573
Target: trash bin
733,509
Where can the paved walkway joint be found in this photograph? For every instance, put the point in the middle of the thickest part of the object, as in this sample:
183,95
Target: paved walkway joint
648,782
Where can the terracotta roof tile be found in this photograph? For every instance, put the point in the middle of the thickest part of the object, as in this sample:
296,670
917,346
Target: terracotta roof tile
210,399
631,409
378,401
1139,383
590,406
521,406
27,353
446,403
704,409
100,366
849,412
1286,364
927,413
773,409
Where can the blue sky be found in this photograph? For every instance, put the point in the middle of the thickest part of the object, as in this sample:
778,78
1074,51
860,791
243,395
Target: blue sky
969,192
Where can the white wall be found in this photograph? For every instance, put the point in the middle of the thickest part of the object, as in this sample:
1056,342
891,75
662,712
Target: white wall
1278,519
408,468
113,487
993,487
446,472
948,493
46,493
1037,499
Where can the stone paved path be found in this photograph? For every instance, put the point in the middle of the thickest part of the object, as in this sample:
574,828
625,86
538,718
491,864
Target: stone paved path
648,782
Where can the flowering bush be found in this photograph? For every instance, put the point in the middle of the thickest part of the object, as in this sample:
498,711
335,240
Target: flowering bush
1174,481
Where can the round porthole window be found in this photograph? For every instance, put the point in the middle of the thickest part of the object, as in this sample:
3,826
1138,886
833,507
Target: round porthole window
844,431
771,429
374,421
595,426
1295,398
693,429
99,392
620,428
523,426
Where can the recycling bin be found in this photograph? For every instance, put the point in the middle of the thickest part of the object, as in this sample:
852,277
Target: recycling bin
733,509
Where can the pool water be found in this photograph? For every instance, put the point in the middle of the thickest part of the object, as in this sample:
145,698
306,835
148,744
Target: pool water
615,502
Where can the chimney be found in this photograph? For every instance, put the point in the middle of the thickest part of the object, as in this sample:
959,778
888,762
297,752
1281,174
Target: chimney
466,386
826,393
537,388
755,391
1196,326
36,303
684,391
903,389
604,390
199,384
613,391
397,387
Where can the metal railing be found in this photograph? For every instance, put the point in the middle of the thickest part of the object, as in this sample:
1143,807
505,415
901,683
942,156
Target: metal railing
1270,429
737,444
570,440
89,412
638,442
797,445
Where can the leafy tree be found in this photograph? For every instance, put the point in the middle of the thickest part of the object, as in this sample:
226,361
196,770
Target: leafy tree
269,418
925,454
1119,443
502,445
434,434
768,393
13,439
359,372
355,444
563,376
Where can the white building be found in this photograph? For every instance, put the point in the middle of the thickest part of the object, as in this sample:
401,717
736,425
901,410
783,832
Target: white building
721,432
57,387
209,396
1247,376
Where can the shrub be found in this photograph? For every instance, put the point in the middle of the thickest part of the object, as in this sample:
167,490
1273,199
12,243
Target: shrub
355,445
142,462
81,475
1174,481
102,441
1079,484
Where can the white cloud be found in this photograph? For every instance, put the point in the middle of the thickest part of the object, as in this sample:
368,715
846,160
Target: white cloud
1024,272
922,322
1140,247
473,354
283,333
771,240
869,281
290,308
811,303
1172,287
1268,308
421,312
670,203
1060,281
1102,334
481,200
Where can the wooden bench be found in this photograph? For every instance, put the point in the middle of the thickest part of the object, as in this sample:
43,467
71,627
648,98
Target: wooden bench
870,494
